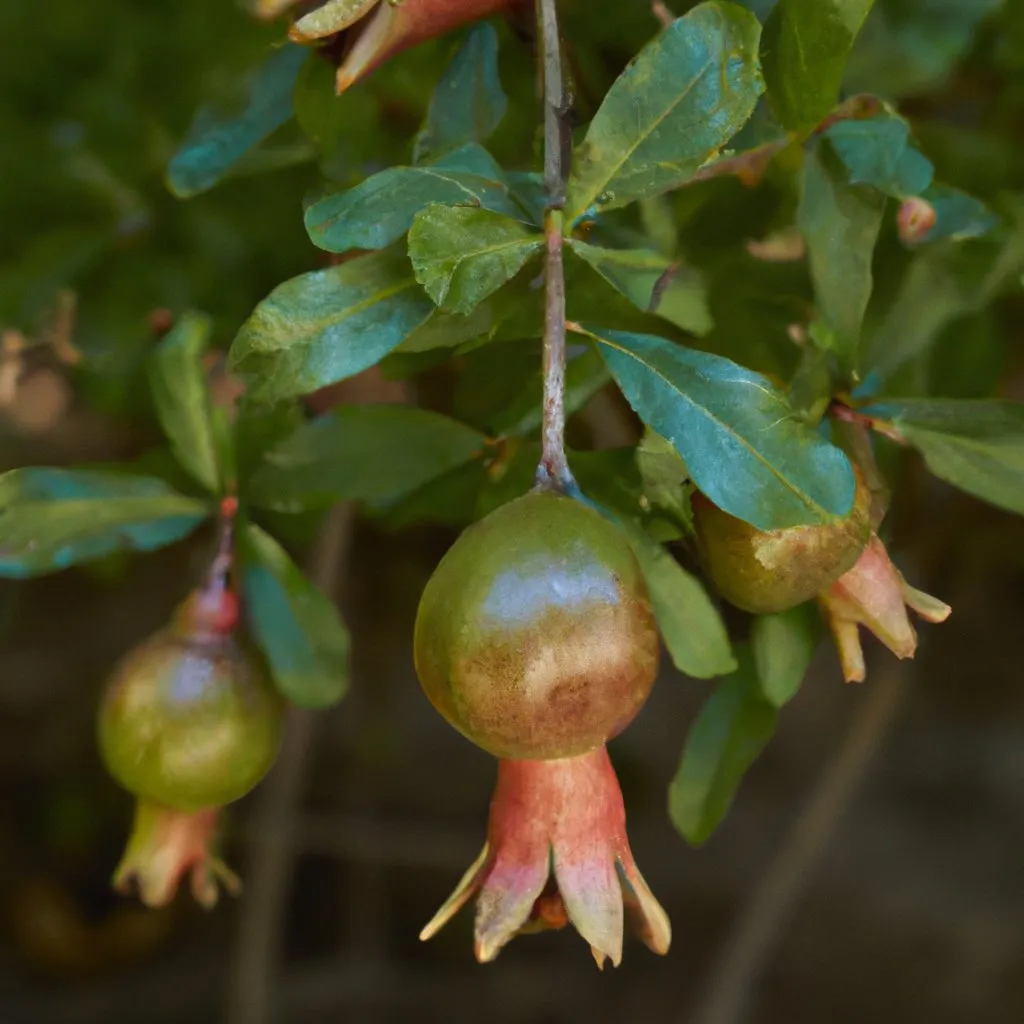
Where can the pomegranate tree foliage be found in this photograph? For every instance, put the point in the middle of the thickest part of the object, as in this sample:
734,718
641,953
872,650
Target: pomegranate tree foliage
736,122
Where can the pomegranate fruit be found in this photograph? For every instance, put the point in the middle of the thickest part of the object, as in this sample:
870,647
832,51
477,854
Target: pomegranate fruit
766,571
535,636
188,723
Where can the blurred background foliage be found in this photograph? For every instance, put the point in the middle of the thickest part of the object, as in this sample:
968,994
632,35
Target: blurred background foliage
94,100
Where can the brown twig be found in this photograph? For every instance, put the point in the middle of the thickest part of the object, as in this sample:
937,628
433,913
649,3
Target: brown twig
737,968
269,872
553,470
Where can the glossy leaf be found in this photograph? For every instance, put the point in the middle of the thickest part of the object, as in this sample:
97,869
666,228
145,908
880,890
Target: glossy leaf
178,383
330,324
690,624
294,623
783,645
730,732
461,255
665,478
740,440
677,103
54,518
375,454
976,445
215,143
805,46
958,215
633,272
840,223
468,102
878,151
381,208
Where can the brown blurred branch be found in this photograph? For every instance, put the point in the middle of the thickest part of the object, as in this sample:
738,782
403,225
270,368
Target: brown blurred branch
735,973
271,862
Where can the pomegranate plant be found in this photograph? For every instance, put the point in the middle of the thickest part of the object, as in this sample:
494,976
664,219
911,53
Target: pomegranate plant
680,260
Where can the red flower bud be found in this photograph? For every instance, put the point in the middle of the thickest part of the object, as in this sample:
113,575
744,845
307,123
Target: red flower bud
874,594
378,29
915,220
557,852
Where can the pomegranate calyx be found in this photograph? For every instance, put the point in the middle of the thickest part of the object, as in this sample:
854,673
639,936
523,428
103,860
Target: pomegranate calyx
557,853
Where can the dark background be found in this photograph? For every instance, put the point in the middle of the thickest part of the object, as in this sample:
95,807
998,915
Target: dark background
891,865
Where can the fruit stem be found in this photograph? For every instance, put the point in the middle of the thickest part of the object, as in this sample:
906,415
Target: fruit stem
553,471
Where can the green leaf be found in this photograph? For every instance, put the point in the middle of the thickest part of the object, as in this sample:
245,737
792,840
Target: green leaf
930,296
783,645
259,427
742,443
295,624
677,103
730,732
690,624
215,143
376,454
878,151
380,209
665,479
957,215
681,297
805,46
468,103
54,518
633,272
840,223
178,384
976,445
330,324
461,255
909,45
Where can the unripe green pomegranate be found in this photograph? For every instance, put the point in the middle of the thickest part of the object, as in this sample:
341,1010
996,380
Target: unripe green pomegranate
766,571
535,636
190,720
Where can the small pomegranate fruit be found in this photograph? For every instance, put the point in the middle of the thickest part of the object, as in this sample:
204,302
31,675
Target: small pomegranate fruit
189,723
535,638
874,594
766,571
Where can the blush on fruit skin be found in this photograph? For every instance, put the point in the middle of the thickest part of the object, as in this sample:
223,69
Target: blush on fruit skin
190,720
766,571
535,636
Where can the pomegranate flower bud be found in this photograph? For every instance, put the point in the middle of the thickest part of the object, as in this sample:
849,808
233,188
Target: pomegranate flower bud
565,817
378,29
915,220
167,844
874,594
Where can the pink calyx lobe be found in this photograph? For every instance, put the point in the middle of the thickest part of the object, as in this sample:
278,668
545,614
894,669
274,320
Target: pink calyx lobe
397,25
874,594
167,844
565,818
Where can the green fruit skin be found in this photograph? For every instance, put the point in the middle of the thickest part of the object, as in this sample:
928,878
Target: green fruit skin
190,721
770,571
535,636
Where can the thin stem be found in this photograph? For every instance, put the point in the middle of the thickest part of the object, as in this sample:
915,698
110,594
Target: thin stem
553,470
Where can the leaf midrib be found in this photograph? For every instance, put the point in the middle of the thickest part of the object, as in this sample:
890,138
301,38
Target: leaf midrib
823,513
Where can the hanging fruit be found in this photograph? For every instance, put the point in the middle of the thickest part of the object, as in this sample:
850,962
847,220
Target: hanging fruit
535,638
189,722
